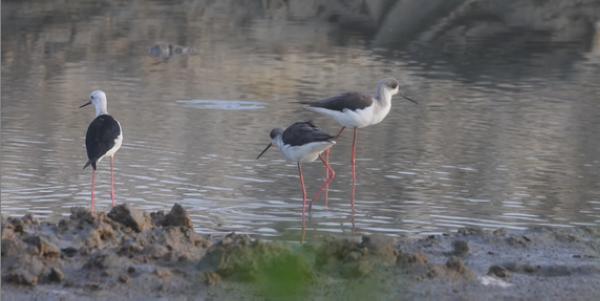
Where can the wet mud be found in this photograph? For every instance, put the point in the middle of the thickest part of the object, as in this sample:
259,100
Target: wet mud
128,253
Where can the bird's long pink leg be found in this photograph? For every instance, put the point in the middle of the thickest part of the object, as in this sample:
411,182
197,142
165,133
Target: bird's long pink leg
353,163
327,169
338,135
303,229
112,181
326,180
324,185
93,187
303,190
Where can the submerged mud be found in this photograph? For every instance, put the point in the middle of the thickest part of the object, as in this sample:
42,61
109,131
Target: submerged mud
129,253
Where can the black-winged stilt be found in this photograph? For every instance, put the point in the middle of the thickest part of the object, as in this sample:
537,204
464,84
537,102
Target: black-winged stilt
104,137
303,142
357,110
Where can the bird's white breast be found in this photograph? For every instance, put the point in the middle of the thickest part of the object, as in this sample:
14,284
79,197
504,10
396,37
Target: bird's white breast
358,118
304,153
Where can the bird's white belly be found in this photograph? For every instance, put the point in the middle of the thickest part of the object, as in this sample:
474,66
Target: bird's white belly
305,153
359,118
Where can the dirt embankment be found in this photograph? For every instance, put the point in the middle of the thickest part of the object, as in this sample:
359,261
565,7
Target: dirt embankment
129,253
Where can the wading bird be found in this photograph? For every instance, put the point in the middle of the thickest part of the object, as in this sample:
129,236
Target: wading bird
303,142
357,110
104,137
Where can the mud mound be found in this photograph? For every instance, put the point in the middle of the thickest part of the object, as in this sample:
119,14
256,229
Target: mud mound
129,253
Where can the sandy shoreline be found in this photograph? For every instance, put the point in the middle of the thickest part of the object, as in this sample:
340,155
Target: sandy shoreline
128,253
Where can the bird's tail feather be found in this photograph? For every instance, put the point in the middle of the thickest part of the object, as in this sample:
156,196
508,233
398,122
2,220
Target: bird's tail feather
304,102
92,163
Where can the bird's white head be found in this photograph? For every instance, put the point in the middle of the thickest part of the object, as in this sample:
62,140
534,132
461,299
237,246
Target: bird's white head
388,87
276,135
98,98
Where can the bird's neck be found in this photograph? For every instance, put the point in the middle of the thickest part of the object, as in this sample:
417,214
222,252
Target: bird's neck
101,109
279,142
383,96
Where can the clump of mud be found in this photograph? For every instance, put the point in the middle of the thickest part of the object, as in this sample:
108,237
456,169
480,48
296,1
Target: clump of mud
127,253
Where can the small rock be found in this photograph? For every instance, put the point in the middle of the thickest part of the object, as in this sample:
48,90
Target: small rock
46,249
56,275
92,286
382,246
530,268
567,238
353,256
63,224
129,217
405,260
455,264
198,239
130,246
16,224
157,218
29,218
356,269
177,217
8,233
69,251
32,250
516,241
155,250
498,271
212,278
162,272
124,278
90,238
12,247
332,249
461,247
511,266
31,263
499,232
78,213
107,261
105,231
469,231
21,276
556,271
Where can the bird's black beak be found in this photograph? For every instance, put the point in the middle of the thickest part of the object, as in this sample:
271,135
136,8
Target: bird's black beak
89,103
407,98
270,144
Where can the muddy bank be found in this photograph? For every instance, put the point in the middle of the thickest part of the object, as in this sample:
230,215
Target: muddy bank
128,253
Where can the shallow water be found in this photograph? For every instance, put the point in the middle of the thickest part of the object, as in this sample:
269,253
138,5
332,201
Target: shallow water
507,132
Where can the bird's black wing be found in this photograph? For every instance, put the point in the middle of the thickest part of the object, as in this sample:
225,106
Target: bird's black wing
350,100
301,133
100,138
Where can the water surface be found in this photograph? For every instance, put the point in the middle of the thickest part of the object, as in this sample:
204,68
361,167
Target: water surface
507,132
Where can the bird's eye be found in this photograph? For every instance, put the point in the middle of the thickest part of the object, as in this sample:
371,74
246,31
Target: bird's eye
91,97
394,86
